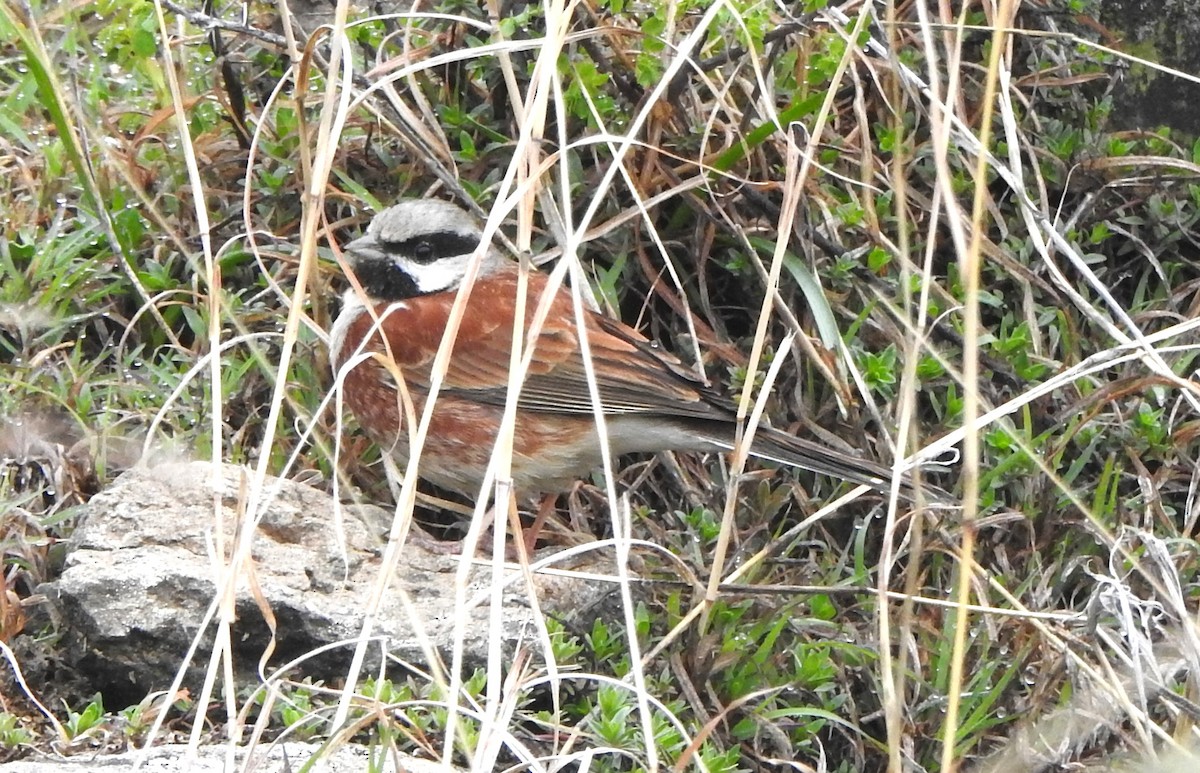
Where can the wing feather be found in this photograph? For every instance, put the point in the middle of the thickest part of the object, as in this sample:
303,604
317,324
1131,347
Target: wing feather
633,375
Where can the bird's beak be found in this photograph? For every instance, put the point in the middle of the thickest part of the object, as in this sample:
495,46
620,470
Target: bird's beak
362,247
358,245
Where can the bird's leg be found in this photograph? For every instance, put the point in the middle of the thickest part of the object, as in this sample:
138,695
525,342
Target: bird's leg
529,536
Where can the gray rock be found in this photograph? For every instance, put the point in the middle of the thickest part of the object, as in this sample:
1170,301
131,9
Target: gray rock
140,577
1166,32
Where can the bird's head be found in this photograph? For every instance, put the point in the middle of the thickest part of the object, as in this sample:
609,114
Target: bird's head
417,247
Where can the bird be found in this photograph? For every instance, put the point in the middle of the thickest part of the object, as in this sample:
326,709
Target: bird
410,263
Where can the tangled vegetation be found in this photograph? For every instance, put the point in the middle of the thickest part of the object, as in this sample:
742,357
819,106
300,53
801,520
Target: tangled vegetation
966,253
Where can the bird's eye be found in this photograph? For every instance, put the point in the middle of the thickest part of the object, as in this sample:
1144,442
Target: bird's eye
423,252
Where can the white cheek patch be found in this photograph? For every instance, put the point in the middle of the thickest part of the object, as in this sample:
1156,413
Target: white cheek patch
352,306
441,274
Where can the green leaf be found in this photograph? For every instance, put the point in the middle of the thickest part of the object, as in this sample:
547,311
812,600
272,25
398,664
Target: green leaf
822,607
145,44
878,259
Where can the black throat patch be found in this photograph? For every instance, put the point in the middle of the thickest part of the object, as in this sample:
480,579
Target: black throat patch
383,280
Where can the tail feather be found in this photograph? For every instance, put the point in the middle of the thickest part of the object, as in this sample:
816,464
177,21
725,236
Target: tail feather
782,448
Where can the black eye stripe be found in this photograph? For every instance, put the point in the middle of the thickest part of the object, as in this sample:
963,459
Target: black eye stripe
440,245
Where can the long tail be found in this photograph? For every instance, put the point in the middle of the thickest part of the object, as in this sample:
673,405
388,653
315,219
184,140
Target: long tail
782,448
